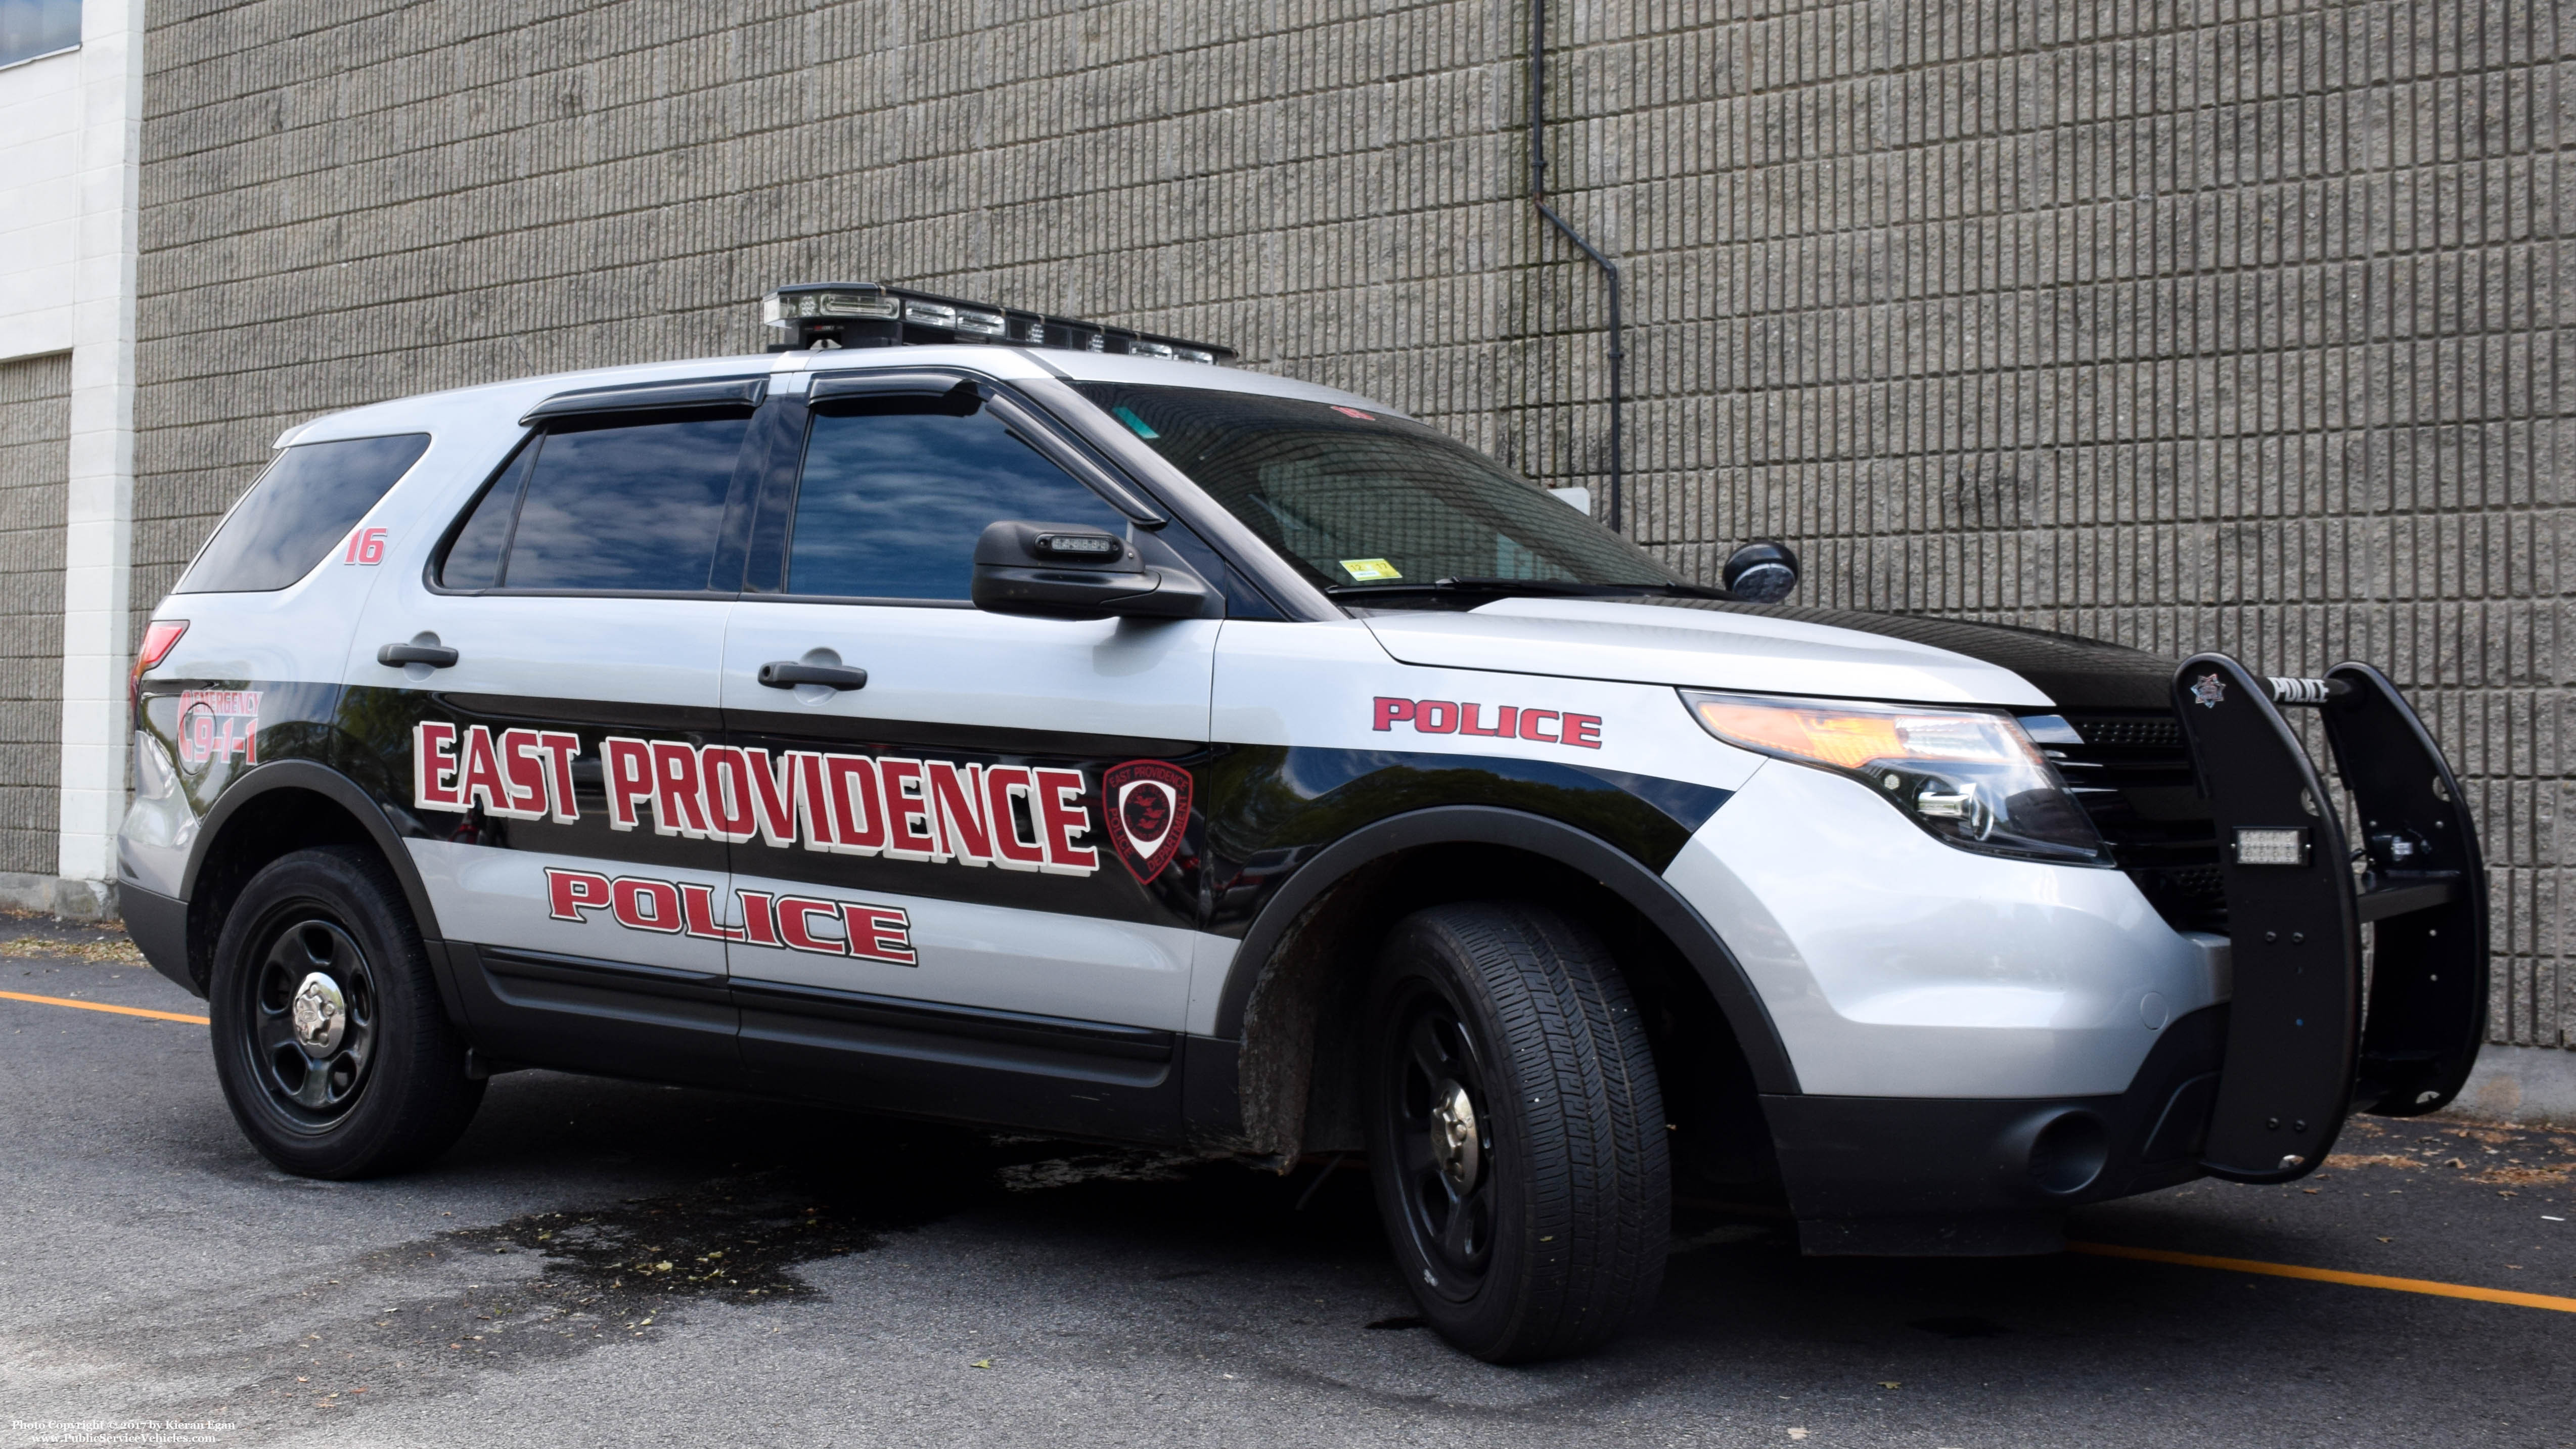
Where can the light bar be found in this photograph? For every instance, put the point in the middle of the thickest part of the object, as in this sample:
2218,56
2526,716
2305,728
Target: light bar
782,307
870,314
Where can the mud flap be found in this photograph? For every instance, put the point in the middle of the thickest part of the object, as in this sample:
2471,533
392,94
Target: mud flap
2299,1056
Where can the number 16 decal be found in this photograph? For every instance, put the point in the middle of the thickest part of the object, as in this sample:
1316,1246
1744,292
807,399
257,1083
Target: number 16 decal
366,546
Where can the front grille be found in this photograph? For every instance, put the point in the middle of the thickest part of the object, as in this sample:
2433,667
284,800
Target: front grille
2133,775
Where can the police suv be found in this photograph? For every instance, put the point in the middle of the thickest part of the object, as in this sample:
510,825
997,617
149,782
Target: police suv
980,715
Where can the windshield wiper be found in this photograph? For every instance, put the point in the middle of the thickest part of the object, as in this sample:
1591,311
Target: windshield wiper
1545,588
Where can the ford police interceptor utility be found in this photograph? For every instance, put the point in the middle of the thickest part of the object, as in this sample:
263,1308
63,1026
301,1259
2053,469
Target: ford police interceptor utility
1038,725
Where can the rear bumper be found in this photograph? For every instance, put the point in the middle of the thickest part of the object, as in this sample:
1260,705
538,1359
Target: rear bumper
1992,1175
158,925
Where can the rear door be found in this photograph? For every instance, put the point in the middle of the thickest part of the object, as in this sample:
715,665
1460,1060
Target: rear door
563,650
936,917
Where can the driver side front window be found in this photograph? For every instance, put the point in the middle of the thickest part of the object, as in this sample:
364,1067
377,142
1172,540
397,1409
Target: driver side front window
896,489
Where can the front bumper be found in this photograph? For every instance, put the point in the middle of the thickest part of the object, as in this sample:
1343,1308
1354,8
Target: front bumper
1992,1175
2255,1089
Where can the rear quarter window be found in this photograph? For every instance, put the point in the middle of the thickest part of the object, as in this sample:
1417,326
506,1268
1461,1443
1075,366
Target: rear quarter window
307,501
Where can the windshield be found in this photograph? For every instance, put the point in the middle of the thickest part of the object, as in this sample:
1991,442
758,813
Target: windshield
1367,503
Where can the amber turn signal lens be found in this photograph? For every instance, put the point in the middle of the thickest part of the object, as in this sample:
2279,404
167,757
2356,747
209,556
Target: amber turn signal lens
1850,737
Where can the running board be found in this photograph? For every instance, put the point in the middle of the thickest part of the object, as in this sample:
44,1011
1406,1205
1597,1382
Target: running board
2302,1052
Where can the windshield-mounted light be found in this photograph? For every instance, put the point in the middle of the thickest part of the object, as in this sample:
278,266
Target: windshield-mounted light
1970,777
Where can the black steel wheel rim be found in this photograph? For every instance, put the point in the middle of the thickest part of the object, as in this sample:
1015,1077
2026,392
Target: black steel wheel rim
311,1070
1430,1056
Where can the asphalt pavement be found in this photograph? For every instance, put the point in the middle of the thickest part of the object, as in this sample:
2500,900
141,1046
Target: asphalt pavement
603,1263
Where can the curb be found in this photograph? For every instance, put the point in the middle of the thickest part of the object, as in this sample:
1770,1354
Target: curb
2518,1085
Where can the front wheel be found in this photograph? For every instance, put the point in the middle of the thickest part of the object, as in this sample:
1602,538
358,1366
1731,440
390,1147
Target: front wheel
333,1050
1516,1131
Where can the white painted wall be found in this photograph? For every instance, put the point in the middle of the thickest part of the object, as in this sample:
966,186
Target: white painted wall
70,128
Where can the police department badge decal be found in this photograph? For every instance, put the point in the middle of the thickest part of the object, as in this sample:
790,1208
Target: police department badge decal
1147,803
2208,691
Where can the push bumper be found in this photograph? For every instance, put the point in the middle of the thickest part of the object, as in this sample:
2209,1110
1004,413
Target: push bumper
2302,1052
2254,1090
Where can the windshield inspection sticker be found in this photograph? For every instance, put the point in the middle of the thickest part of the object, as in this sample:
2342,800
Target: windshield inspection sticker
1508,721
1369,570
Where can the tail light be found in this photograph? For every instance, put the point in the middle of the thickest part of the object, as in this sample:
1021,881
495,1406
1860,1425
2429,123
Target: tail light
159,638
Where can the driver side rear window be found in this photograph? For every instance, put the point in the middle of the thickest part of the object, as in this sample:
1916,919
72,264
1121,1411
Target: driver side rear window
609,503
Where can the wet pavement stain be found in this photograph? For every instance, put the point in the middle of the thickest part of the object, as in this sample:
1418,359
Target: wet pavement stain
549,1286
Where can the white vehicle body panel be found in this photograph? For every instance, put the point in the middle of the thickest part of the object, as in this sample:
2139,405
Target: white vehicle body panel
971,954
498,898
1313,686
953,668
1693,648
1896,966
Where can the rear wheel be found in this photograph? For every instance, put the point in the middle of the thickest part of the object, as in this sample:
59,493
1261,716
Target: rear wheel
1516,1131
333,1050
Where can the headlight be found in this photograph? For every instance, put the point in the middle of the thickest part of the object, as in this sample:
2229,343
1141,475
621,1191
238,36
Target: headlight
1971,777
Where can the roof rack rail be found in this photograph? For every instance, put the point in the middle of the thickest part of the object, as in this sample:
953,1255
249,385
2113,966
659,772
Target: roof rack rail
871,314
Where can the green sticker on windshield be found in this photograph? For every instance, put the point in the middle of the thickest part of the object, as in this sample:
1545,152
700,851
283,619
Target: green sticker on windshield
1369,570
1134,423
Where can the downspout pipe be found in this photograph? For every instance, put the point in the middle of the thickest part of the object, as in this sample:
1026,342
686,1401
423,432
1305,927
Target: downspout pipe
1612,512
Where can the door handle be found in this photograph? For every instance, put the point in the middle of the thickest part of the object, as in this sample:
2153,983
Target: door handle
789,673
436,656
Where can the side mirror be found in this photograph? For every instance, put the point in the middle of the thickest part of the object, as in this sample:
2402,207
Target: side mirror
1761,572
1075,571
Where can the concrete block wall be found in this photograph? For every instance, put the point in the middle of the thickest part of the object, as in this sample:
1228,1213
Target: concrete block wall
2189,323
35,457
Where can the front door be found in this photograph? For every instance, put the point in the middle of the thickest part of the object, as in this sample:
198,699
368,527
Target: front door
936,915
549,676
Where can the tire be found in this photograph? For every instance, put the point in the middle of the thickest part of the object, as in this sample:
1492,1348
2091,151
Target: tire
1538,1228
356,1076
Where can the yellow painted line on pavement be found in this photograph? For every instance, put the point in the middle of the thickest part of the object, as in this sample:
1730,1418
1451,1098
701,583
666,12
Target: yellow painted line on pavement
2332,1275
102,1006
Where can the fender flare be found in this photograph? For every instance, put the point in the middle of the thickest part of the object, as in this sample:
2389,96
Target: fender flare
1622,873
340,790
